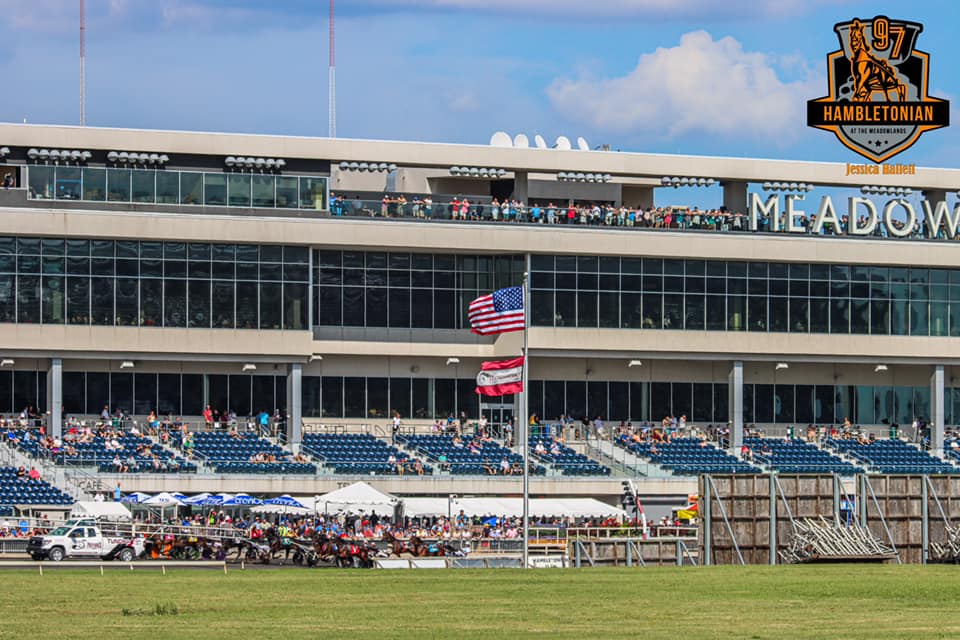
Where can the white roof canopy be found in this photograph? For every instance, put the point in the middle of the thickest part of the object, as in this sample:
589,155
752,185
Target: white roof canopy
109,510
511,507
358,497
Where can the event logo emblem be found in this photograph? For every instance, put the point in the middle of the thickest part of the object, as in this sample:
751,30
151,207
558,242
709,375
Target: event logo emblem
879,103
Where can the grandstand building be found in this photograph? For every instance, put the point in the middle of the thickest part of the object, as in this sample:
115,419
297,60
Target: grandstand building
168,271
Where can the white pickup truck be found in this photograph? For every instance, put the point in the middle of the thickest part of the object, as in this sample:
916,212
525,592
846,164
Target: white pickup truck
84,539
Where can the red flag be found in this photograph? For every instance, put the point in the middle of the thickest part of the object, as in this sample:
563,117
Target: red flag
500,377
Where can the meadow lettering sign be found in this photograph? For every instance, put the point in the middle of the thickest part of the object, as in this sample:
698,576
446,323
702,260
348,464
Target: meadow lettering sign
860,218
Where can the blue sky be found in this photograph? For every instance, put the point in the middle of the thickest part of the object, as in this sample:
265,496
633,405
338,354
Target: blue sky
675,76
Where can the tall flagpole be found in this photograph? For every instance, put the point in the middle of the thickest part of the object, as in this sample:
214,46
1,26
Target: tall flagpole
523,424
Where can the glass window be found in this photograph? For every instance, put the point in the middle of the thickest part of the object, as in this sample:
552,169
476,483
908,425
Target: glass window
247,305
28,299
313,193
332,395
214,189
217,395
264,398
608,309
192,403
168,394
919,318
271,306
565,309
619,401
145,393
660,397
41,182
191,188
121,391
222,304
240,395
118,185
263,191
721,402
145,186
576,397
763,403
586,309
53,300
78,300
94,184
597,399
98,392
757,313
702,402
400,397
174,303
74,393
682,397
823,404
444,397
287,192
68,183
151,302
168,187
553,399
101,301
399,307
376,307
295,306
198,297
783,400
354,397
639,401
377,404
804,404
239,190
127,313
716,313
8,298
422,399
652,311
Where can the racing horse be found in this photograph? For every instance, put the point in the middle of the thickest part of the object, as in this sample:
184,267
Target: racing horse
277,544
343,552
397,546
870,73
421,549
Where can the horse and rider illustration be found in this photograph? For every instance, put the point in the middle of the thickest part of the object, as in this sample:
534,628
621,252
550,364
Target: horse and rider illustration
871,74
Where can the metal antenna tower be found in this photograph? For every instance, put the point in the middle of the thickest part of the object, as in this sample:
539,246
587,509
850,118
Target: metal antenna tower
332,98
83,55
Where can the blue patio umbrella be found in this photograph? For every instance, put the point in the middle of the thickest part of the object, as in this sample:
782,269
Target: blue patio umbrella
135,498
284,501
241,500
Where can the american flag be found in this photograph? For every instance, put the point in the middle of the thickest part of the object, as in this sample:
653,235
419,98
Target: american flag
498,312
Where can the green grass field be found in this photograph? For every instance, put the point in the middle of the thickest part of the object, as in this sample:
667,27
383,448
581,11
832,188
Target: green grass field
844,601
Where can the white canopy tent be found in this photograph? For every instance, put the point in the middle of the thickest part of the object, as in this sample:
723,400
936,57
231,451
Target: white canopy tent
511,507
358,497
106,510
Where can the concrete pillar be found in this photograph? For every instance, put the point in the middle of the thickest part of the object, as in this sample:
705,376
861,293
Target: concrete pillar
936,410
636,196
933,196
735,196
735,406
55,398
521,186
295,406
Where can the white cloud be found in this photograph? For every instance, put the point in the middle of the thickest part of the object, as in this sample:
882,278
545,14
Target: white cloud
700,86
